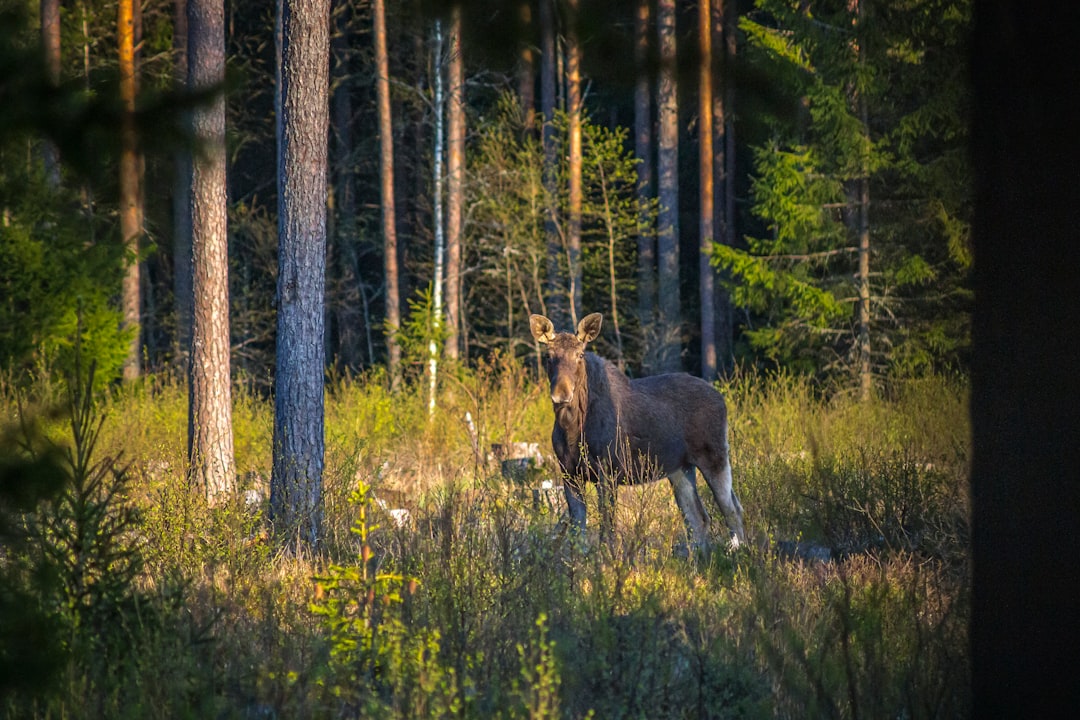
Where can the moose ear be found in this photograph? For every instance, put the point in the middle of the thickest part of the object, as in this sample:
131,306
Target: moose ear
542,329
589,327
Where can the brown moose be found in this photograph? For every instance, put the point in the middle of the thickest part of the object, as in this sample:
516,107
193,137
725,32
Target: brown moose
612,430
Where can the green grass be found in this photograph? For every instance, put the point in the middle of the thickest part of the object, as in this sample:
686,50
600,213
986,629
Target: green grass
485,607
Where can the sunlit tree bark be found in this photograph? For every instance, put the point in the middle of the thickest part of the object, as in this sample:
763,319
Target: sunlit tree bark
455,182
210,441
131,211
574,198
386,172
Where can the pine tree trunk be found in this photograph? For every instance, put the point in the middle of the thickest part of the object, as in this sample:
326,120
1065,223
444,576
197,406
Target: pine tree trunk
50,42
573,109
643,149
347,314
526,66
302,125
182,292
455,184
705,210
389,223
667,244
131,213
554,296
210,441
724,19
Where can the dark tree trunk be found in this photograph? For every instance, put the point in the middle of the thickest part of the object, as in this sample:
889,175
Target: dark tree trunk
50,42
724,20
706,232
526,65
1025,388
302,125
554,295
210,441
667,241
643,149
183,298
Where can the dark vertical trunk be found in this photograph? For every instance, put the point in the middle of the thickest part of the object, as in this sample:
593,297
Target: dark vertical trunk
705,190
526,65
302,124
210,442
554,295
667,244
50,42
1025,485
724,19
386,169
342,257
182,293
643,149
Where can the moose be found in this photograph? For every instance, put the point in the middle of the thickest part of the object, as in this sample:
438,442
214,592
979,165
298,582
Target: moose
612,430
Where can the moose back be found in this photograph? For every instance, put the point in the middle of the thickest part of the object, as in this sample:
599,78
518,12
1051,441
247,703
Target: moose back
612,430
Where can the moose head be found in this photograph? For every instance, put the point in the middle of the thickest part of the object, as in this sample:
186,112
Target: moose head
565,358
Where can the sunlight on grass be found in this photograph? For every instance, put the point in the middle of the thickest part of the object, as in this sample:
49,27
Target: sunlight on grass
498,610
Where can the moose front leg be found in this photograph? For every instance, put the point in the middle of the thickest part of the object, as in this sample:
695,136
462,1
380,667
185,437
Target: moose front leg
575,502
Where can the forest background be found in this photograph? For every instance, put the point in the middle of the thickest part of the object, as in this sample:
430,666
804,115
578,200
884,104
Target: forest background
775,196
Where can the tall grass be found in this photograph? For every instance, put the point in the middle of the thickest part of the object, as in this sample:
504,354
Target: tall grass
850,601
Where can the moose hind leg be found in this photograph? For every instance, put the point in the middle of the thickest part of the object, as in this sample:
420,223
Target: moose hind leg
684,486
719,480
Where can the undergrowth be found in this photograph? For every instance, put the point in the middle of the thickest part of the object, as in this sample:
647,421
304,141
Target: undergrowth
851,600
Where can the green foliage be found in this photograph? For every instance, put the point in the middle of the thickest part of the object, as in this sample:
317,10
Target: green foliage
378,666
505,227
483,606
57,281
882,97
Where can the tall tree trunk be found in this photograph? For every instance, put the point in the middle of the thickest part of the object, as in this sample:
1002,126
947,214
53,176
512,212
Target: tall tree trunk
302,126
437,217
50,42
705,210
526,65
724,20
455,184
573,110
555,305
343,257
210,441
183,297
862,190
643,149
131,212
389,223
668,171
